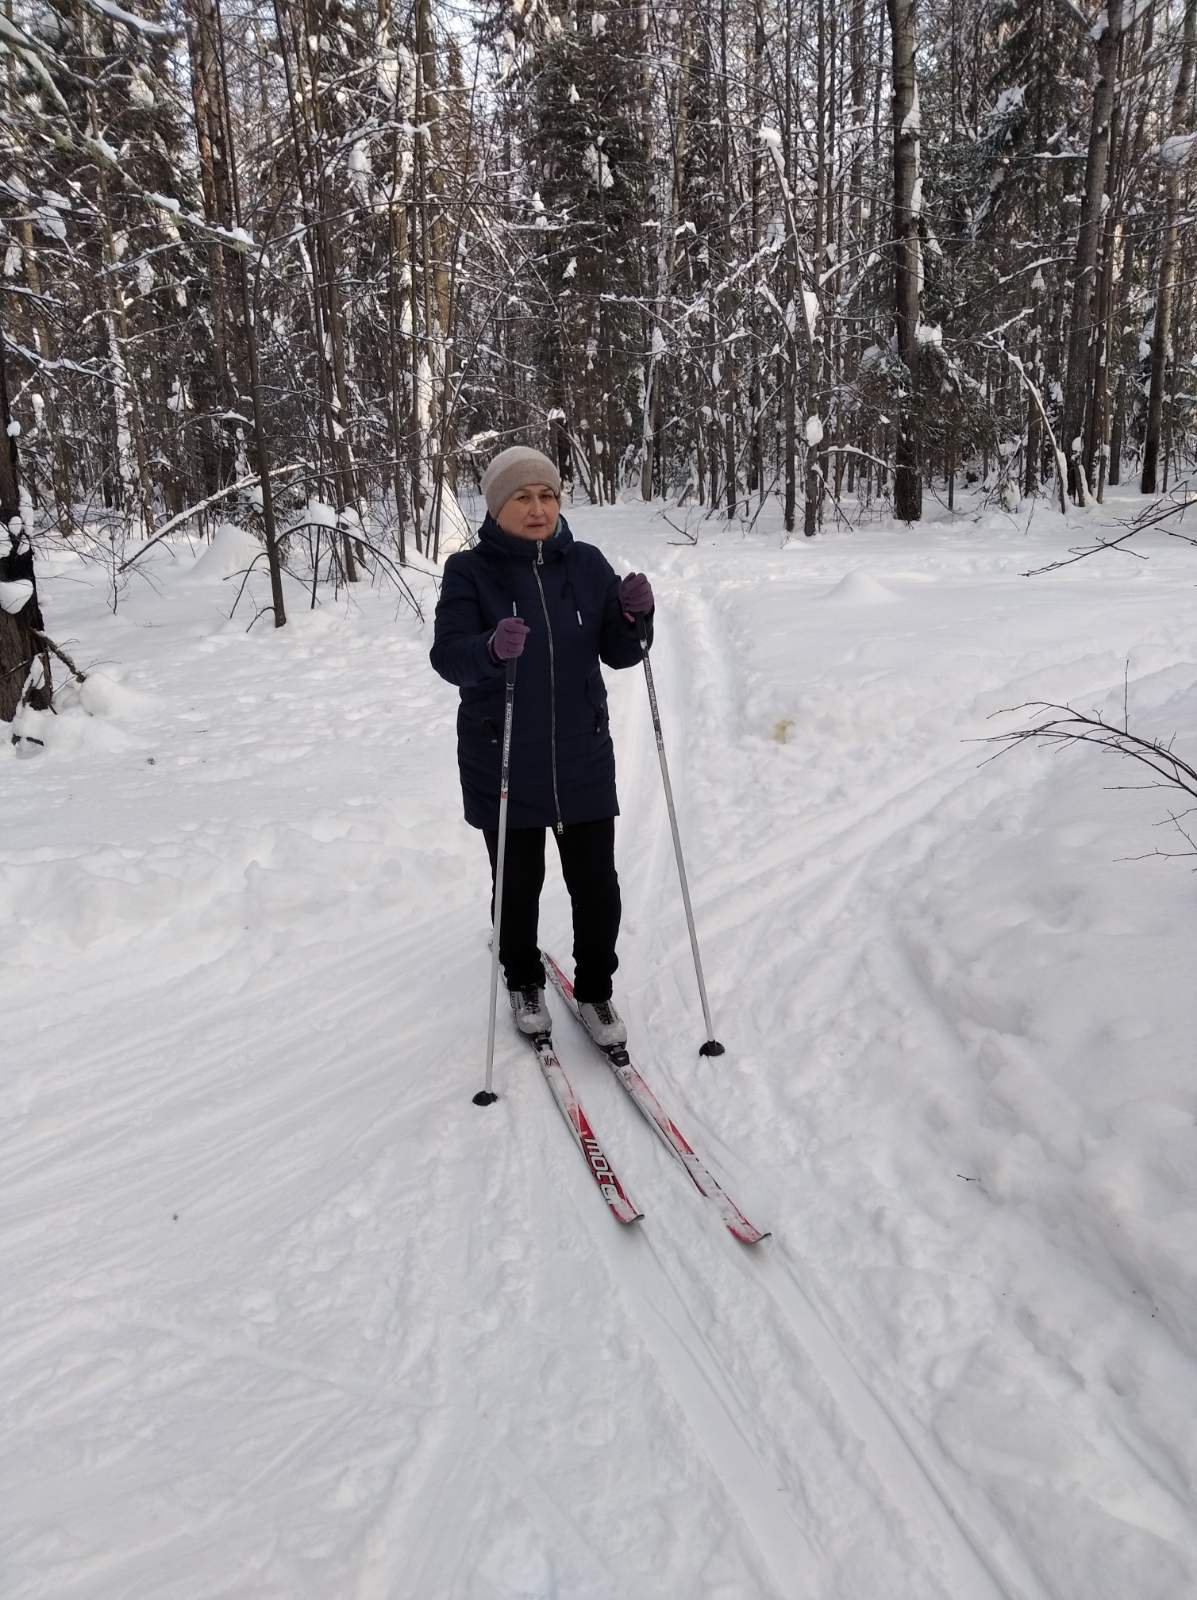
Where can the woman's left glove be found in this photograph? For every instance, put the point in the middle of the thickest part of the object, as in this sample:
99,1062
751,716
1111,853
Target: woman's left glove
635,596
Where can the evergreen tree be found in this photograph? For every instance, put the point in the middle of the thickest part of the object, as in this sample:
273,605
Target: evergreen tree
587,167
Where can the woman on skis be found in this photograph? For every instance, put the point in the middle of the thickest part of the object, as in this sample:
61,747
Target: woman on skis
529,590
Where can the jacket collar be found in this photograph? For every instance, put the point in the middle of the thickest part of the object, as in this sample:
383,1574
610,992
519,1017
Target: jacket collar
494,541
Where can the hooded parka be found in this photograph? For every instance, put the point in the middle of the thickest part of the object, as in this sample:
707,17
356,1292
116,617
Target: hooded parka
562,760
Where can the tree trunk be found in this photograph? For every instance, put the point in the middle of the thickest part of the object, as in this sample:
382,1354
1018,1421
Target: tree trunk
1126,359
1166,277
217,386
813,488
1033,463
1084,267
18,646
908,490
1098,431
789,362
251,341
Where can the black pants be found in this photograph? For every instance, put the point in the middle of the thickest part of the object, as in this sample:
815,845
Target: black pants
587,851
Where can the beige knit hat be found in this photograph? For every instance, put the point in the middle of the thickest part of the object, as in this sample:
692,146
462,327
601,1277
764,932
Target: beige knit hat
514,469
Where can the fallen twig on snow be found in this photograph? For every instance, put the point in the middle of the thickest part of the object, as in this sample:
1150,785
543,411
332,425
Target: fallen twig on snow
1063,724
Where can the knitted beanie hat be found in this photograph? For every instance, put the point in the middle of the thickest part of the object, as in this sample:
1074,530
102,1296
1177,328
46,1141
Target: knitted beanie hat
514,469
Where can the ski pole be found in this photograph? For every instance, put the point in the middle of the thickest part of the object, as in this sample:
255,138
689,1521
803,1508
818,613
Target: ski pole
712,1047
487,1096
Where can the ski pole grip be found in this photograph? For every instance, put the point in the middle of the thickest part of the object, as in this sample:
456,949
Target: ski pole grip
642,633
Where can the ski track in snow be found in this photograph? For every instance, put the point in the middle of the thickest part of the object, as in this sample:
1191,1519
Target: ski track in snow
287,1316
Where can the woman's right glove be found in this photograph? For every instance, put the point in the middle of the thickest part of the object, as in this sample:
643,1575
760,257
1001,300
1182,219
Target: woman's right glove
507,641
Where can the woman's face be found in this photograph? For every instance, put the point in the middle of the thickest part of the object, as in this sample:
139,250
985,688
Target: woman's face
531,512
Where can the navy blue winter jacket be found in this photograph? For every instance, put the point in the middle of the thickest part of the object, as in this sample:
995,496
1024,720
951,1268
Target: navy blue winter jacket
562,759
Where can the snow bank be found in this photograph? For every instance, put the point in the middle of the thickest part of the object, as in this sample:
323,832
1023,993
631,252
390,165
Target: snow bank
858,588
457,532
16,595
103,694
231,551
1179,150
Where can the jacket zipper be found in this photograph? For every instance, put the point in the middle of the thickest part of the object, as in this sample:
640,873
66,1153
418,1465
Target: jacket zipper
552,683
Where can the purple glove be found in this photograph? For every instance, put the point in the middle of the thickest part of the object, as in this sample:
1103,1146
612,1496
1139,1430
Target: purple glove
635,596
507,641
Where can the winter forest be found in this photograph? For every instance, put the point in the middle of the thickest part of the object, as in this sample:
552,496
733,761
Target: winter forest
842,254
865,333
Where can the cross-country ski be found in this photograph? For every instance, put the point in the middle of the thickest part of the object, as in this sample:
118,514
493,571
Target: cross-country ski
619,1059
570,1106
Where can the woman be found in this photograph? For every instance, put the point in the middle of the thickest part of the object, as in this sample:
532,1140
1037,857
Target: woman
528,591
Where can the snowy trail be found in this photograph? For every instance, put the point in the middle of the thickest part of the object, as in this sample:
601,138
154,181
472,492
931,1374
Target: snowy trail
288,1316
981,1555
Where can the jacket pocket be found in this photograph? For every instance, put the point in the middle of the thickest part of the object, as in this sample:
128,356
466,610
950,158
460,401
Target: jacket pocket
478,727
596,695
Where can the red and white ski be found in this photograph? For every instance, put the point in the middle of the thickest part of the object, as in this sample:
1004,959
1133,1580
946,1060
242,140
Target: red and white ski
671,1136
570,1107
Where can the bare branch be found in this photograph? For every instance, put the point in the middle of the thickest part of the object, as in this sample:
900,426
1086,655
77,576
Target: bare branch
1061,725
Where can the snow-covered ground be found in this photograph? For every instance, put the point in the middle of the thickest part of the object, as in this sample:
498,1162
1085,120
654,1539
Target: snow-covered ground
285,1315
